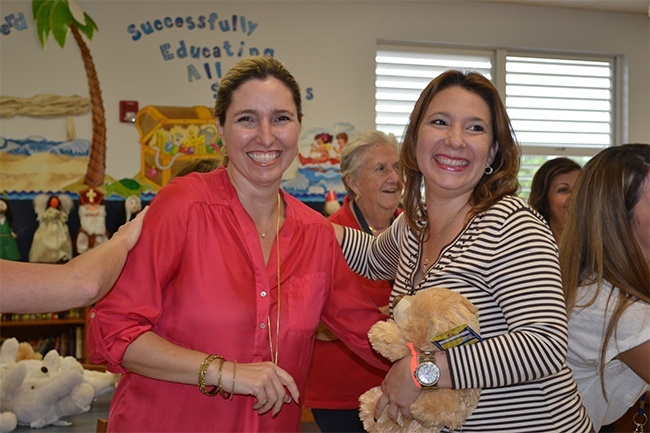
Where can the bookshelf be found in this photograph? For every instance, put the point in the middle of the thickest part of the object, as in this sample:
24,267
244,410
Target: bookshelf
64,331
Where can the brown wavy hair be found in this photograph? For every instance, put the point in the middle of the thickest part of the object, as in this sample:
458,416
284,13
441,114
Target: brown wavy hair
490,188
598,242
542,179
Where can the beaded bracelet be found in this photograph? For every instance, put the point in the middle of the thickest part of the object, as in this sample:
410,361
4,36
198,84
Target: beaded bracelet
203,369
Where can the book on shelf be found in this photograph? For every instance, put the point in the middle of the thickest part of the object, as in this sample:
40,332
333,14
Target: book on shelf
69,342
75,313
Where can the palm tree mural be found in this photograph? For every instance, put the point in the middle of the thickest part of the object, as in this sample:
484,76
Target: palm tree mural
58,17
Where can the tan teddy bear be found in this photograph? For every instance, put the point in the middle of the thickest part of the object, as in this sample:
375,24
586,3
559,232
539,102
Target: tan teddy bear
26,352
418,319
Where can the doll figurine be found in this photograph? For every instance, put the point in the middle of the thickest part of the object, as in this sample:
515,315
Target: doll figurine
52,242
92,219
8,245
132,207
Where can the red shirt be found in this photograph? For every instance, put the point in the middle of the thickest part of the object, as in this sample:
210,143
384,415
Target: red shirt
338,376
197,278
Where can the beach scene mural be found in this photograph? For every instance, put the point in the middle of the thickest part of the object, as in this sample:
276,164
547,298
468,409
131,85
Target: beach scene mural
317,168
23,162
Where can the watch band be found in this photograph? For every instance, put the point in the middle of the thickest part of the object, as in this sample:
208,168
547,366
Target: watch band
428,358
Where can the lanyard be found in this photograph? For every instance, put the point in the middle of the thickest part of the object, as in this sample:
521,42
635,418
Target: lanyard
362,221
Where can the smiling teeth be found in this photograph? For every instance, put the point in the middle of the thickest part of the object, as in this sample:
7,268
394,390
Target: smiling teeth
452,162
263,157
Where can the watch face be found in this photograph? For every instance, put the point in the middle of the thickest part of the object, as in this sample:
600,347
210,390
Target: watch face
428,373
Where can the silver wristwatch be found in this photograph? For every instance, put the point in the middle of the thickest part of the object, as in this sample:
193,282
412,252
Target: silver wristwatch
427,373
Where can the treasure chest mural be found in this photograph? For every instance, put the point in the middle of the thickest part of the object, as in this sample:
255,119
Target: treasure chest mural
171,136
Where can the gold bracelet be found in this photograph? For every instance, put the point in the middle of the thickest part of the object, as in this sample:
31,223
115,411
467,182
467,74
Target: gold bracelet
234,375
203,369
219,385
222,392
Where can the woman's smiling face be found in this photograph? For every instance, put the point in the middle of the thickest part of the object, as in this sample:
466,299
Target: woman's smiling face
261,131
455,141
558,195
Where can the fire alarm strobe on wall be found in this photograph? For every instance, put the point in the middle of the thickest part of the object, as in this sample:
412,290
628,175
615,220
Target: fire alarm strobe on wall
128,110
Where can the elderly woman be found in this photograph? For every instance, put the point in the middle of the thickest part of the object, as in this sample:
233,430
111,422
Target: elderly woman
551,189
464,228
338,376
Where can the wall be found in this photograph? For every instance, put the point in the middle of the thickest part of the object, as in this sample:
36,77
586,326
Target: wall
329,46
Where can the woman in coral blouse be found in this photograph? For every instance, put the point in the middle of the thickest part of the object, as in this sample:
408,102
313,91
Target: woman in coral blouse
212,321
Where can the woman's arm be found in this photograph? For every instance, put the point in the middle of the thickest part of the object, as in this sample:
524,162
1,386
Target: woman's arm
373,258
263,380
638,359
40,287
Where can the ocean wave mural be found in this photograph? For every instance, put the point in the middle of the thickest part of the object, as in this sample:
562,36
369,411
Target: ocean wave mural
37,164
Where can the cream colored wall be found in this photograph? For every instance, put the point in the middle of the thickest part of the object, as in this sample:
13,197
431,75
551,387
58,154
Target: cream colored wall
328,45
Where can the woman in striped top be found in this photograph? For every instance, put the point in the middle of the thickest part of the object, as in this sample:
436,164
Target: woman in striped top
471,234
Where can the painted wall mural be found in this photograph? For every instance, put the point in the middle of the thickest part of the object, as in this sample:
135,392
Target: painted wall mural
319,162
36,164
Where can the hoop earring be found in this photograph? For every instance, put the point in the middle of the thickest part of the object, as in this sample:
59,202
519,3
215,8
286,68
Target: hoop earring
223,150
488,170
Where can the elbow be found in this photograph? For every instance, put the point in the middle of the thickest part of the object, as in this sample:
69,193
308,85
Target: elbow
87,288
555,358
90,292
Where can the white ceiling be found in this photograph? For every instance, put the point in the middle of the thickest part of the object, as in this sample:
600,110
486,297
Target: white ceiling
628,6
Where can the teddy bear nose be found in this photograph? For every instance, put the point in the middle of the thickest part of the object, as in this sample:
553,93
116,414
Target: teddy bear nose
44,369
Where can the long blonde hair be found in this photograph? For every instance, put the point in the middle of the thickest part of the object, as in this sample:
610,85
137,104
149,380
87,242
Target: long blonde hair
598,241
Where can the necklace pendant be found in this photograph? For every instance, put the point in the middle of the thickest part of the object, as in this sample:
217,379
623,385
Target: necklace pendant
263,235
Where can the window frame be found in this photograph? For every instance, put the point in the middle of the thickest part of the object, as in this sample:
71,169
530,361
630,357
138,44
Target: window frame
498,57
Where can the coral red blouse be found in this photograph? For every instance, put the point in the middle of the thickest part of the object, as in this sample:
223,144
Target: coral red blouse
197,278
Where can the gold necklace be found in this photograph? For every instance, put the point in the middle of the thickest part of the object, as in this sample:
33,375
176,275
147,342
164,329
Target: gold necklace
268,318
375,231
425,261
265,233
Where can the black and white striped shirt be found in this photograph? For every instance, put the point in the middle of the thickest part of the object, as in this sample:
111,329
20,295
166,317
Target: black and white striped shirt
505,262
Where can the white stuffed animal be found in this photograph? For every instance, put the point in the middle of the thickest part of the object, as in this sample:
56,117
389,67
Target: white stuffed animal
103,382
39,392
43,401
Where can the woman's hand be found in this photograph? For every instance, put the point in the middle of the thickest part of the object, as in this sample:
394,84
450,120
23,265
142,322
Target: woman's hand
399,391
131,230
267,382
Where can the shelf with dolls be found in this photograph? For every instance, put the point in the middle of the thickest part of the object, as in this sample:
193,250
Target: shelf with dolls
64,331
